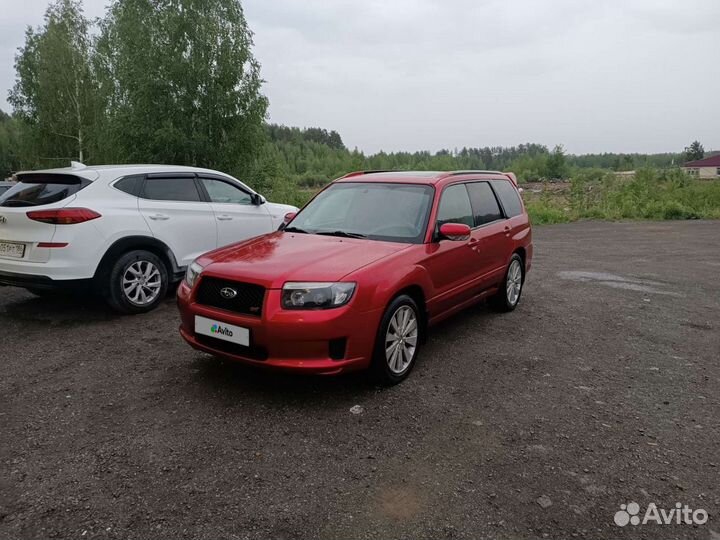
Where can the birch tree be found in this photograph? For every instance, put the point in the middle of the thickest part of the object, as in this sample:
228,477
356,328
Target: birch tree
55,96
182,83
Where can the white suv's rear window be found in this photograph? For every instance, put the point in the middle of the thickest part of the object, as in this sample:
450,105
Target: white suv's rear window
41,189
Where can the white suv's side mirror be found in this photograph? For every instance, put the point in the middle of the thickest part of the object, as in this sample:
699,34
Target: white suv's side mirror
258,199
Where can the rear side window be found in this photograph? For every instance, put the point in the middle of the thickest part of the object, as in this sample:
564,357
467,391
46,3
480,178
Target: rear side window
171,189
484,204
40,189
130,185
509,197
455,206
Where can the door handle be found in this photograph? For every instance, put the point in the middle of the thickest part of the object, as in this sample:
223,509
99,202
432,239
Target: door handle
159,217
224,217
507,230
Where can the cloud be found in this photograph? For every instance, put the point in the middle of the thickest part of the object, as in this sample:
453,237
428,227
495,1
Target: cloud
427,74
595,76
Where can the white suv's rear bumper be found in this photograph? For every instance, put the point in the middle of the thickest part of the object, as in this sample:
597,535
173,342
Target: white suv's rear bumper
63,264
31,281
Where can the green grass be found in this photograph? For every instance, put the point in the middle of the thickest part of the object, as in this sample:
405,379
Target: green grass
651,194
544,212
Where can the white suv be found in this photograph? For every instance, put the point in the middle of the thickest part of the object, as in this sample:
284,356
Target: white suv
127,230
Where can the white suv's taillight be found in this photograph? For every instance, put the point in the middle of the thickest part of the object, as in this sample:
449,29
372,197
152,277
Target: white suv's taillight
63,216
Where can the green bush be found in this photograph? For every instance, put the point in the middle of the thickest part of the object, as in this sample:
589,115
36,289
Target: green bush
650,194
543,212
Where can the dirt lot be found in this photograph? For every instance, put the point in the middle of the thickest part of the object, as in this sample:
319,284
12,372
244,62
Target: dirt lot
601,389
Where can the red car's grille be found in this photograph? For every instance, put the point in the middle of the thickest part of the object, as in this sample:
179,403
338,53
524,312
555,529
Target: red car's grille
245,298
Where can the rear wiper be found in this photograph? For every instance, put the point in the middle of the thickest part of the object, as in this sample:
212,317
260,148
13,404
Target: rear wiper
294,229
342,233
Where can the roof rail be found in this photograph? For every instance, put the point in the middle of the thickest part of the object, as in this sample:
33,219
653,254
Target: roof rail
360,173
457,173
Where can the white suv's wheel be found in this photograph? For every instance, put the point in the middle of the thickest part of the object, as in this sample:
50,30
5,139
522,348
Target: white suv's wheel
138,282
141,283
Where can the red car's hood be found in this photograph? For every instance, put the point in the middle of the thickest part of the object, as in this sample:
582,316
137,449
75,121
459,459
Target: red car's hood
275,258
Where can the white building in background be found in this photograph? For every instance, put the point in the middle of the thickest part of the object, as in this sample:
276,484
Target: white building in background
707,168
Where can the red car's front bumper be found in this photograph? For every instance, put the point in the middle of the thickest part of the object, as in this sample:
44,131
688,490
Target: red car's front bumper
321,341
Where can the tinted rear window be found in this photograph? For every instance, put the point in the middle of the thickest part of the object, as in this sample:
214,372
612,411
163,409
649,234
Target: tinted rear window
509,197
130,185
171,189
484,203
40,189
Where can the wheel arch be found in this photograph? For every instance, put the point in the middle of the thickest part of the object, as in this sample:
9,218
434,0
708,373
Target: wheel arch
523,256
148,243
417,293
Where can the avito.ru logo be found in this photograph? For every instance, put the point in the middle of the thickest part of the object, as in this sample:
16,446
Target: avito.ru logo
217,329
680,515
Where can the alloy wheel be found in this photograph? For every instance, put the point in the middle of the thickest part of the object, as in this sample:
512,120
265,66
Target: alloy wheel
401,339
141,283
514,282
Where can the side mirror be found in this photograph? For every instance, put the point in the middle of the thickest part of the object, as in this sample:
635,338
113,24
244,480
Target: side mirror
454,231
287,219
258,199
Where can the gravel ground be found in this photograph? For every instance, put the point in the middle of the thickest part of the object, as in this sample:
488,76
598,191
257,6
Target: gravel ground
599,390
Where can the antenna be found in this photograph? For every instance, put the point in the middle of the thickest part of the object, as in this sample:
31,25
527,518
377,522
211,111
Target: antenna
77,165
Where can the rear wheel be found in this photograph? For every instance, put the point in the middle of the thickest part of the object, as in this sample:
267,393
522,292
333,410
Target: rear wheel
508,296
398,341
138,282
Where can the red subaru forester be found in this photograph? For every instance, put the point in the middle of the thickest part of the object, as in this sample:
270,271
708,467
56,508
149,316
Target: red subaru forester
356,277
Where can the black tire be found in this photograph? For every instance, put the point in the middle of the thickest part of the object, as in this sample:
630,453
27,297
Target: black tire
114,292
502,301
380,366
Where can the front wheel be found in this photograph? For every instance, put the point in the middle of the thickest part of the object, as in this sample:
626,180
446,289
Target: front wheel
138,282
508,295
398,341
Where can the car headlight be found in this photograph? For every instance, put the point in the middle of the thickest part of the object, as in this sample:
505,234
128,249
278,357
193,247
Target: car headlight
192,273
316,295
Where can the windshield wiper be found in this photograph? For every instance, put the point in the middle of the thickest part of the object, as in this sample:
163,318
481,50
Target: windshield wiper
344,234
294,229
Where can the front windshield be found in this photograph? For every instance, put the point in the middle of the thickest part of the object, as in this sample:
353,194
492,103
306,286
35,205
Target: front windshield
389,212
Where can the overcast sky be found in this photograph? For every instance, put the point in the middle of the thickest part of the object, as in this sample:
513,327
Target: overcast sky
595,76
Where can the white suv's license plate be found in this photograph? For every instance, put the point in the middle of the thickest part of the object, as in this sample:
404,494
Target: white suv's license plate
221,330
11,249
